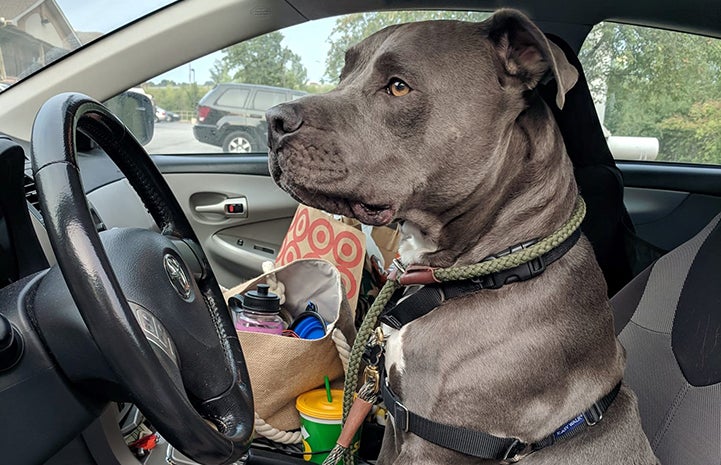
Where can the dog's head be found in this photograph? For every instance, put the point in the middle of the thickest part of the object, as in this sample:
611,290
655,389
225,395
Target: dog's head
420,121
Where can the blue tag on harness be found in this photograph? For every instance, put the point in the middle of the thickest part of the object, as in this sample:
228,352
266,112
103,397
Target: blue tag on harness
568,427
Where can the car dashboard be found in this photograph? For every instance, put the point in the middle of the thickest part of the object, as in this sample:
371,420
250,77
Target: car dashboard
117,430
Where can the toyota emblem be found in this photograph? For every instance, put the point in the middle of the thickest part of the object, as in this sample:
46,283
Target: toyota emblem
178,278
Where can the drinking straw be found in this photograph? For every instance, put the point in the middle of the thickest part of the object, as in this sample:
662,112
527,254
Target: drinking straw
327,390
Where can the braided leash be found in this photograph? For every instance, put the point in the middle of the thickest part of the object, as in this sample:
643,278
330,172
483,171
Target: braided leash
455,273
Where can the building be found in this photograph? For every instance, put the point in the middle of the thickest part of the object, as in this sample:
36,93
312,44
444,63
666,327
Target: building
32,33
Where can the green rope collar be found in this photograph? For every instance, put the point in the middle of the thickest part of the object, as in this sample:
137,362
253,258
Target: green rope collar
486,267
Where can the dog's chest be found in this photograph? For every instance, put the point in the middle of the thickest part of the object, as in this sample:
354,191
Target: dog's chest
394,349
414,244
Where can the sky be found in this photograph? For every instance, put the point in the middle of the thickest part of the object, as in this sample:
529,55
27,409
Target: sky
104,16
308,40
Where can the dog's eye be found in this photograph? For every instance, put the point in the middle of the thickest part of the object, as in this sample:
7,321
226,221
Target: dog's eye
397,88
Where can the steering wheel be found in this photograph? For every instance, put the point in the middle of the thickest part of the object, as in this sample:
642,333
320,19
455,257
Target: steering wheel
150,301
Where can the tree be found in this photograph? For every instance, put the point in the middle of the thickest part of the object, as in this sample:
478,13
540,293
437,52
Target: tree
263,60
657,83
220,72
317,88
695,137
167,83
351,29
181,98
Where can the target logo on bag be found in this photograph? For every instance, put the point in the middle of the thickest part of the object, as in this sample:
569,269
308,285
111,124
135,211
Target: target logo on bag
315,234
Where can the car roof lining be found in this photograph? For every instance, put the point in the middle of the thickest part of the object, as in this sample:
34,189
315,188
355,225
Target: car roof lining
696,16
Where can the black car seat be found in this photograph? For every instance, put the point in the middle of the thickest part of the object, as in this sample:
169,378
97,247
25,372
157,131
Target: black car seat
607,224
669,320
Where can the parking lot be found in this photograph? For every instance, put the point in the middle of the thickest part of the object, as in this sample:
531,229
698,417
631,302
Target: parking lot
177,138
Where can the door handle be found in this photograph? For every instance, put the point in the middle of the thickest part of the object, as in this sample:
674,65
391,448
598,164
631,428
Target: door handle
236,207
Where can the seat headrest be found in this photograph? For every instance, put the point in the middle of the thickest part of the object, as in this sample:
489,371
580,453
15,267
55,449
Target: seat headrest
578,121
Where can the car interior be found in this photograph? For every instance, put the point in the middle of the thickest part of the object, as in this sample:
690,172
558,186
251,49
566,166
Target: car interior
75,381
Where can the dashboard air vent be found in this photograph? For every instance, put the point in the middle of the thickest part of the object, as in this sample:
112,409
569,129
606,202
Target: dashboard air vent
31,192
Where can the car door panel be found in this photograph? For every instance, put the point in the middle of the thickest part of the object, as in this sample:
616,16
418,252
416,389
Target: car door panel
236,245
669,203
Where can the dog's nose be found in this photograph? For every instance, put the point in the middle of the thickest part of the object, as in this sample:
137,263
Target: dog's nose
282,119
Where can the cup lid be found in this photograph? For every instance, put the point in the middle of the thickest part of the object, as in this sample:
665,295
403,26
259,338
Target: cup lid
315,404
256,300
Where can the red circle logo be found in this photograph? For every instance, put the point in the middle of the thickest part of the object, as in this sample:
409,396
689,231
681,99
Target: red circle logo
320,236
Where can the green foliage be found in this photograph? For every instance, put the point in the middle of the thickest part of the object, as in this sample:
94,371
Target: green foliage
220,72
658,84
177,98
696,136
315,88
351,29
262,60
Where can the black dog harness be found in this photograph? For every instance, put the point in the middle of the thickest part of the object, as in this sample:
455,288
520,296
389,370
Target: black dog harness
432,295
402,310
483,445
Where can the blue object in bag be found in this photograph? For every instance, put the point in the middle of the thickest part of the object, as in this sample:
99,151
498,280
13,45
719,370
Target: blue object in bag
309,324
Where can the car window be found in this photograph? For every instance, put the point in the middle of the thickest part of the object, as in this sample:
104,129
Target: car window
233,98
265,99
657,92
273,68
34,34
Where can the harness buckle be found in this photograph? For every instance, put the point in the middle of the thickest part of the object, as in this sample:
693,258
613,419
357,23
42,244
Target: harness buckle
522,272
405,416
593,415
516,451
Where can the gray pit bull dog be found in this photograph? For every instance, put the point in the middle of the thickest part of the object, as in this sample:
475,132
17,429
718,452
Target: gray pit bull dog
436,125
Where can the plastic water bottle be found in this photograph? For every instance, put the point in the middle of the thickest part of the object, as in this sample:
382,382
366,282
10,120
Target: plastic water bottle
257,311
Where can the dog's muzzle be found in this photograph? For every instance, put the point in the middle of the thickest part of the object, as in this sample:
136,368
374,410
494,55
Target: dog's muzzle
282,120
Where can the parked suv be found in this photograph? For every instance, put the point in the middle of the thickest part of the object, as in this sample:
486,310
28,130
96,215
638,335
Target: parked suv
232,116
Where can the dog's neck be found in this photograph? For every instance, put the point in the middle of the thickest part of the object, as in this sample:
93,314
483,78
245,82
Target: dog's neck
528,200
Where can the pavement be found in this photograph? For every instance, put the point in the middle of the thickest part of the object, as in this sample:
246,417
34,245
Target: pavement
173,138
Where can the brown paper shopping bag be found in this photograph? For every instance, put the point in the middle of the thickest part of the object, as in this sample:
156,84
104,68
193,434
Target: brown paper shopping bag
315,234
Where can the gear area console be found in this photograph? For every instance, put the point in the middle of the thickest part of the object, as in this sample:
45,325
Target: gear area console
120,437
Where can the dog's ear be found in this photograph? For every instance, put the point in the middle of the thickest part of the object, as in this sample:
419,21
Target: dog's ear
527,55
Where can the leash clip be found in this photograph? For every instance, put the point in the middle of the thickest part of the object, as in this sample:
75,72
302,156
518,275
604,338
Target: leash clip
373,352
396,270
373,355
372,377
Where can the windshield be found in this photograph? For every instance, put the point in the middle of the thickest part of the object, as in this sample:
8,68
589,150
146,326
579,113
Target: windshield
35,33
